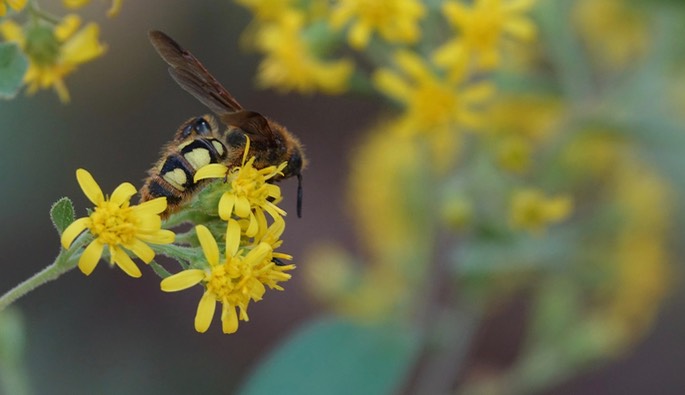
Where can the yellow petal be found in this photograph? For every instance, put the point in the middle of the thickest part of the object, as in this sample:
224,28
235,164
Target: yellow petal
114,9
90,257
182,280
242,206
73,230
258,254
75,3
123,193
83,46
212,170
125,263
252,227
232,238
479,92
229,319
209,246
154,206
142,250
226,204
17,5
90,188
205,312
359,35
67,27
413,65
392,85
521,28
162,236
12,31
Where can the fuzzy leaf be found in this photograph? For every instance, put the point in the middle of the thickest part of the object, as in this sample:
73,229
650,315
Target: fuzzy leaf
62,214
159,270
336,357
13,66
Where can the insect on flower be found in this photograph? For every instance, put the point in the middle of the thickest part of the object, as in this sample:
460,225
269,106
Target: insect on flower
199,141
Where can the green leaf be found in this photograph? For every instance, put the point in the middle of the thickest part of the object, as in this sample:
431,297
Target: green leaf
336,357
13,66
62,214
159,270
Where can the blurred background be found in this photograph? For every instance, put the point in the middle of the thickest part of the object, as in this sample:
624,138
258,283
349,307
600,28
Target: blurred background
110,334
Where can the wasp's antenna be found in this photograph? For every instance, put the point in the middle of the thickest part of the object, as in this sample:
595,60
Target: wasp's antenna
299,195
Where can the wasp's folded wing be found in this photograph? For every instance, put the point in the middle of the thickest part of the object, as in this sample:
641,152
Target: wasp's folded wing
192,76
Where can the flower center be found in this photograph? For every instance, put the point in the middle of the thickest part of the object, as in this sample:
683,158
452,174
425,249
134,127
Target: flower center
220,283
250,184
112,224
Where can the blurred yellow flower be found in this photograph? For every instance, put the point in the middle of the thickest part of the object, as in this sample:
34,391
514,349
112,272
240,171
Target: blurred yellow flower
75,4
267,10
117,225
397,21
236,281
250,195
482,28
615,31
289,63
434,107
54,52
531,210
516,124
16,5
432,101
642,274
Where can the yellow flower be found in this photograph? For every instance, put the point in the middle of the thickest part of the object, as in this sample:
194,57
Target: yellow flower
250,195
615,32
289,63
482,28
236,281
517,123
16,5
431,100
54,52
532,211
75,4
397,21
267,10
435,107
117,225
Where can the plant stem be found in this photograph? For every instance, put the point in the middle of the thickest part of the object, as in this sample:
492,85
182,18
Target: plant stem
61,265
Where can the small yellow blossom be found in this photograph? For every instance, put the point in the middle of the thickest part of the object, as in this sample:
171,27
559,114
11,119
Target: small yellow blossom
250,195
236,281
615,31
54,52
75,4
267,10
16,5
117,225
431,100
289,63
532,211
435,107
397,21
482,28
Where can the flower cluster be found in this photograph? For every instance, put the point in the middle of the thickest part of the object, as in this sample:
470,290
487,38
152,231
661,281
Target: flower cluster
54,47
250,261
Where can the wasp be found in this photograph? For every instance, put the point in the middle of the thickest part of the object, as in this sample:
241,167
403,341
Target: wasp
200,141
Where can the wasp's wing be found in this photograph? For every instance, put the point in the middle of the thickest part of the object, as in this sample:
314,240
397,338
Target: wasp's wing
192,76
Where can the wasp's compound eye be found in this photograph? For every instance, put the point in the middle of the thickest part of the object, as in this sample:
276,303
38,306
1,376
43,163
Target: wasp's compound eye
201,126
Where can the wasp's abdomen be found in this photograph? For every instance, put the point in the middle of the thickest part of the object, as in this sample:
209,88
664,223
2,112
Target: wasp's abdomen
173,176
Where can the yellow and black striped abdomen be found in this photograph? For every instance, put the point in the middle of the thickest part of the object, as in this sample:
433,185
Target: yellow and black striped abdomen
195,146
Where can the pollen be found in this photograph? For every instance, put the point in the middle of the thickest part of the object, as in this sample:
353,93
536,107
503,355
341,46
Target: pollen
113,225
